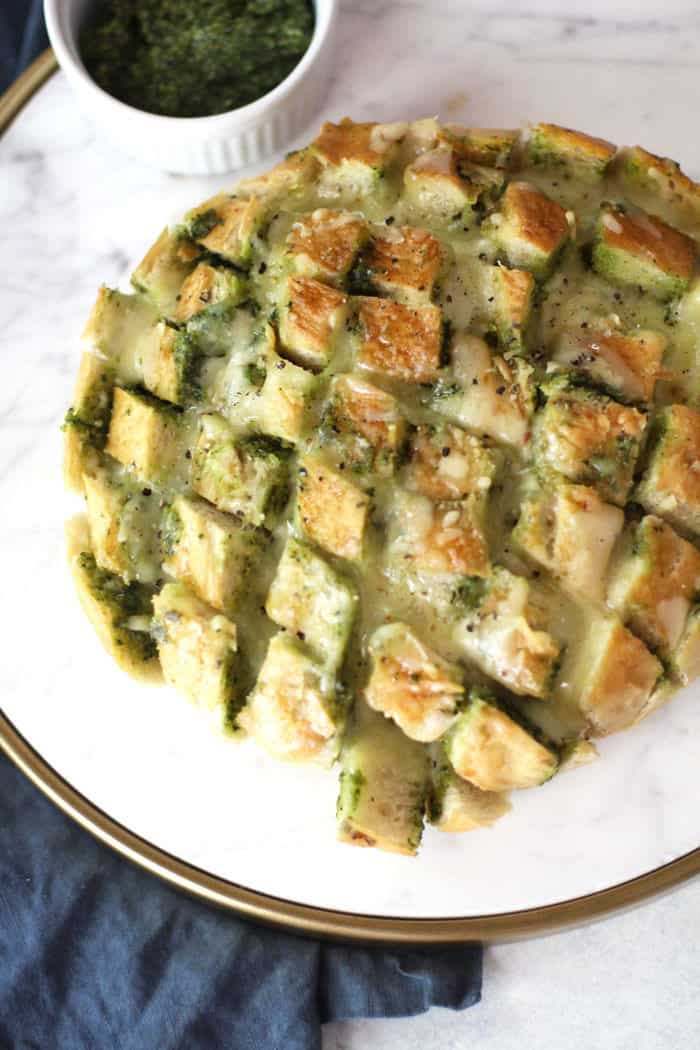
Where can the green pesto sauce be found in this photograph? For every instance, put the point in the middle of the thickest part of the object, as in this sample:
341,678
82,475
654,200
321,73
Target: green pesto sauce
194,58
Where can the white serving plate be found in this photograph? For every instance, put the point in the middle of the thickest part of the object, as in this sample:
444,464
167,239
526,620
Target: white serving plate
144,769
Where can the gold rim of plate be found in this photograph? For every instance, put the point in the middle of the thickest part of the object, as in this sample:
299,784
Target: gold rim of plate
304,918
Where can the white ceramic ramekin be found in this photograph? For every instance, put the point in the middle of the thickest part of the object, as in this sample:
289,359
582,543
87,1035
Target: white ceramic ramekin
199,145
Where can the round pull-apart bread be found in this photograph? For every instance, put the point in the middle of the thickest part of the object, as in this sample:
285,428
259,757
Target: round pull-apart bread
392,458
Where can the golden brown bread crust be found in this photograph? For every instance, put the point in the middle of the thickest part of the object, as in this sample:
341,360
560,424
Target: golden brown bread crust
399,340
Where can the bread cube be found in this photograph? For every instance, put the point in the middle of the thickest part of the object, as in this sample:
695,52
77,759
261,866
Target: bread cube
625,364
494,752
685,658
227,226
120,612
366,424
444,538
400,341
456,805
513,295
144,434
529,229
325,243
405,263
285,397
633,248
210,551
197,648
311,317
570,531
123,518
356,158
490,147
291,181
161,272
332,511
501,634
247,476
314,602
412,684
123,330
576,155
486,393
670,486
660,178
292,712
94,386
654,582
383,786
444,186
610,676
589,438
82,444
447,463
172,368
205,287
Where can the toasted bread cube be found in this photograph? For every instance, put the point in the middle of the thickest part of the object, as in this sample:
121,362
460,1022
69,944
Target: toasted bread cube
366,422
445,538
207,286
123,330
447,463
487,393
456,805
625,364
171,370
325,243
210,551
312,315
529,229
356,157
579,156
143,434
82,444
513,292
247,476
119,612
685,658
292,711
314,602
571,531
634,248
383,786
654,581
285,397
661,178
589,438
447,188
332,511
227,225
92,395
161,272
501,634
610,676
671,483
123,519
491,147
405,263
400,341
412,684
197,648
292,180
493,752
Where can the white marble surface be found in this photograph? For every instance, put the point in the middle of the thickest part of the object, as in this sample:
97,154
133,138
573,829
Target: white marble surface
73,213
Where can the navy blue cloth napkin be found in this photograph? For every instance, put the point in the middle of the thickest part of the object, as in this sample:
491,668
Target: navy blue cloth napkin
95,953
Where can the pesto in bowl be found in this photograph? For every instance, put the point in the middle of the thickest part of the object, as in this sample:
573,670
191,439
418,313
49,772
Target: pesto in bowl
182,59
